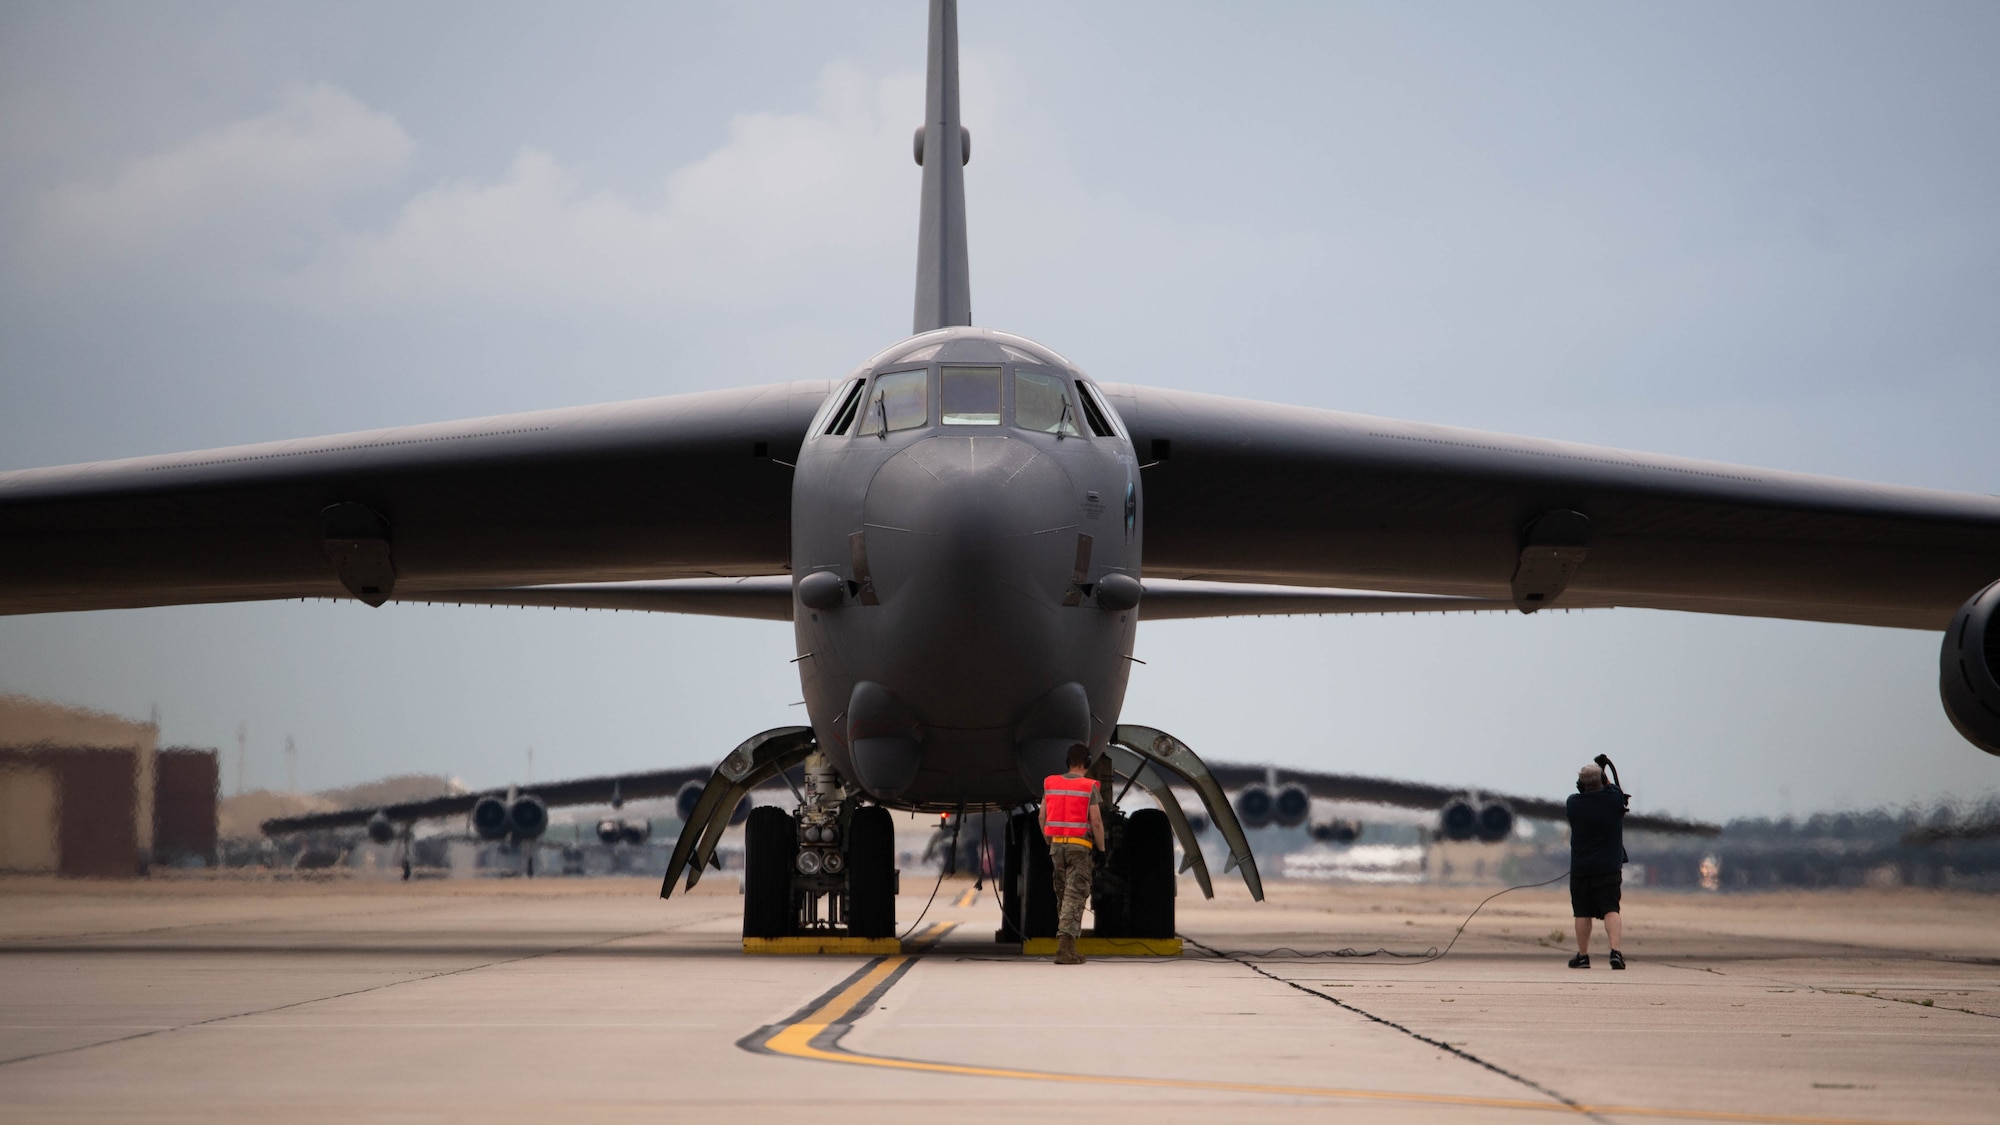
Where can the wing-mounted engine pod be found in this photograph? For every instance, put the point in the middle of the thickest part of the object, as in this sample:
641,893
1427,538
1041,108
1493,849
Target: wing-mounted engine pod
1496,823
612,830
687,799
1254,806
1470,818
381,829
489,818
1969,670
527,818
1291,806
1459,820
1336,831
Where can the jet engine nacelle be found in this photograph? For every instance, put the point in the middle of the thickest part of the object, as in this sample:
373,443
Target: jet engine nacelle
1291,806
686,799
381,829
1254,806
1465,818
1337,831
1496,822
612,830
1969,670
1459,820
525,818
489,818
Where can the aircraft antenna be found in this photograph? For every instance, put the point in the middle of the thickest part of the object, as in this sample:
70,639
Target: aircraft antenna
944,283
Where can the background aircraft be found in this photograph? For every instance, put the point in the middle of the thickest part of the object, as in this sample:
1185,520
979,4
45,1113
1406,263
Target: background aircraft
520,813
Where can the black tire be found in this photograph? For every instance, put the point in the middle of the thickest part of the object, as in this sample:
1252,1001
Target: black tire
1149,873
770,847
1010,881
1036,908
1110,883
871,873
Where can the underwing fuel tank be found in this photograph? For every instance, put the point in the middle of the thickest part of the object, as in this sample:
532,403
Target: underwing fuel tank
953,523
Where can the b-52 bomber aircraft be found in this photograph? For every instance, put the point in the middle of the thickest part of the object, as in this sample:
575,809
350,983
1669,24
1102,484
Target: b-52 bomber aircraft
966,531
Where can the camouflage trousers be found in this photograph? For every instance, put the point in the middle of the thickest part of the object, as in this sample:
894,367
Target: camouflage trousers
1072,865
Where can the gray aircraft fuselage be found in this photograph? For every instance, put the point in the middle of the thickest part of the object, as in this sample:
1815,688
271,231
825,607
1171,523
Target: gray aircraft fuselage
954,518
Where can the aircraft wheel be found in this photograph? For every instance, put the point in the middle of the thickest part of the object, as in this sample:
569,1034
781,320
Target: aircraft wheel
1028,893
871,873
770,847
1009,883
1149,874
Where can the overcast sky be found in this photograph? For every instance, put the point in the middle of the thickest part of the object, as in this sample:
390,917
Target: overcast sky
1760,233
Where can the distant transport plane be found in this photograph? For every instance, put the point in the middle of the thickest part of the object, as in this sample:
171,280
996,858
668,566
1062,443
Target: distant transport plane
965,532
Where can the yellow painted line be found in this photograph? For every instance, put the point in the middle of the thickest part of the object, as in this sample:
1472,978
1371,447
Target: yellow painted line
795,1040
970,896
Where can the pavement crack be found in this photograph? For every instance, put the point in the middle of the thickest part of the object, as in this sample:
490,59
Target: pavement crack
1457,1052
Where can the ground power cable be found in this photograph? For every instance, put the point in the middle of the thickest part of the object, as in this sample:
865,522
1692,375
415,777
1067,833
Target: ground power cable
1299,956
946,866
1285,953
1455,1052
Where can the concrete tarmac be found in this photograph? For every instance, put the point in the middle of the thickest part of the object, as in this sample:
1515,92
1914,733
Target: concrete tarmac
581,1000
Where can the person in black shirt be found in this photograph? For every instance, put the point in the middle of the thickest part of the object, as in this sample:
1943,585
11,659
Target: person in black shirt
1596,861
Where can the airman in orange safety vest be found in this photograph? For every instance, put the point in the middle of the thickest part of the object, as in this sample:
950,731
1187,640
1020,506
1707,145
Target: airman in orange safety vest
1075,828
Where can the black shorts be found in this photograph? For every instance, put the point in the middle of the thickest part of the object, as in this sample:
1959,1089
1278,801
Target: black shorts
1594,896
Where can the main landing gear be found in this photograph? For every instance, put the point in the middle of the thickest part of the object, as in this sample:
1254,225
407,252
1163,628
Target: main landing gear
827,870
1133,885
830,869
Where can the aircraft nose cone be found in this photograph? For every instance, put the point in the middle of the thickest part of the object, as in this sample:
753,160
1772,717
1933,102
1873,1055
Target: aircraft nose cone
968,502
971,543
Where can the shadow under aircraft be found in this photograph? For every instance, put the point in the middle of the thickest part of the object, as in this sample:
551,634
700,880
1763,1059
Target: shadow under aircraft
966,532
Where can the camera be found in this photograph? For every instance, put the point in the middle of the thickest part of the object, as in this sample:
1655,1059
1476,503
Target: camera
1611,773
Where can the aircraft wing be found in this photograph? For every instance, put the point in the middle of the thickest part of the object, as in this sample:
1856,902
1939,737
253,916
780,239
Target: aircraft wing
583,791
769,597
1421,795
687,486
1168,599
766,597
1251,492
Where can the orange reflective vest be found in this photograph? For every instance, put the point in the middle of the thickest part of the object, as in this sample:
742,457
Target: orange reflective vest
1067,801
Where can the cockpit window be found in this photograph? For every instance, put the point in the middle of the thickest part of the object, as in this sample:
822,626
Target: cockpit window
900,401
843,415
1100,423
1041,404
970,396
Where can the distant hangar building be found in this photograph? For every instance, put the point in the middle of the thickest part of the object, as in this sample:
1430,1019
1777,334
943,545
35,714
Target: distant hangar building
84,793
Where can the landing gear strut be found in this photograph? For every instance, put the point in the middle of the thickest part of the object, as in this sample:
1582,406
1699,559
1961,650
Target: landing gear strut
828,870
1133,884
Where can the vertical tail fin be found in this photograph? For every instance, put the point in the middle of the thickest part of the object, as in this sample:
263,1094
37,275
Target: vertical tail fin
944,284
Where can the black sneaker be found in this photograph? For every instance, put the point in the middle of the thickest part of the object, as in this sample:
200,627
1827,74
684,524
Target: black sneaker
1617,959
1580,961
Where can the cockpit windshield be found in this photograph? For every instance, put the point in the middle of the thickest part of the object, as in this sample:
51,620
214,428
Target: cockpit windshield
969,396
900,401
1042,404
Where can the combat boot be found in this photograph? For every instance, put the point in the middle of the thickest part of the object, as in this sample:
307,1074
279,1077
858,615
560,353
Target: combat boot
1066,953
